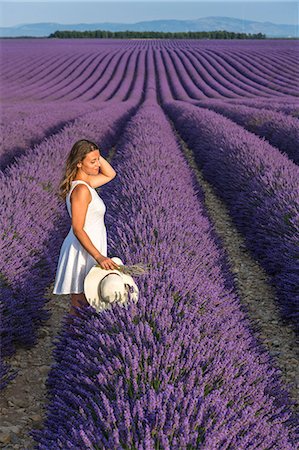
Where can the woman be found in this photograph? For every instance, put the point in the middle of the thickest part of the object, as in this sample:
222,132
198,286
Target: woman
86,243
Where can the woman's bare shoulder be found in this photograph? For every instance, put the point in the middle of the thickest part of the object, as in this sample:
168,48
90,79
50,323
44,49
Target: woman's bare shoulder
81,193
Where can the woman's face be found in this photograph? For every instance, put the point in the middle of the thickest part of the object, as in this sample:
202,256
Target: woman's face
91,163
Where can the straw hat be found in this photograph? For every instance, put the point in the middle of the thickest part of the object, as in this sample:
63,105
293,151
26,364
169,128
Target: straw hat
103,287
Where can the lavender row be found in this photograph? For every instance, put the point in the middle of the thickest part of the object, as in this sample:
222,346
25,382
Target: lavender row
48,62
200,74
260,188
289,107
271,65
200,83
237,82
62,77
95,77
130,72
19,110
195,72
177,369
31,224
190,79
280,130
245,65
17,135
21,133
134,91
230,79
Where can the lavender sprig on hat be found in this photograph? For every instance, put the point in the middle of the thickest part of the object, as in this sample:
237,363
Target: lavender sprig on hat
134,269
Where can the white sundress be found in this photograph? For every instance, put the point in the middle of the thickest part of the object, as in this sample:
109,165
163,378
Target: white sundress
74,261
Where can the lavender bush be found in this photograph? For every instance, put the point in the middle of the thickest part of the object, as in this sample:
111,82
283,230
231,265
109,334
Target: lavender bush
28,260
260,188
180,369
289,107
20,133
255,74
280,130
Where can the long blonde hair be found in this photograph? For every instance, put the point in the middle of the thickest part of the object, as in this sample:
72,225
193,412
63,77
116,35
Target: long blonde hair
78,152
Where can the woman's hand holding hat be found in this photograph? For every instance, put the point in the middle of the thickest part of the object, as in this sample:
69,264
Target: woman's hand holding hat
106,263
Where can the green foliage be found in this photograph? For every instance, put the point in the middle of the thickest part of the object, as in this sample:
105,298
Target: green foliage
103,34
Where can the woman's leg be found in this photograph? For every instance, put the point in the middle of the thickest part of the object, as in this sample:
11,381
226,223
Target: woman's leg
78,300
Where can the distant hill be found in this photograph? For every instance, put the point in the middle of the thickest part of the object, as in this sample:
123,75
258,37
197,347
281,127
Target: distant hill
204,24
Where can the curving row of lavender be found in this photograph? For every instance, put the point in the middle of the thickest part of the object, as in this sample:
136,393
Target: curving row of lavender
260,188
280,130
226,81
198,70
288,105
288,293
202,85
18,134
99,77
33,225
252,68
24,283
193,77
180,369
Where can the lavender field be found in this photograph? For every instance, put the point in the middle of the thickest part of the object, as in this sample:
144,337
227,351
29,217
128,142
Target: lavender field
184,368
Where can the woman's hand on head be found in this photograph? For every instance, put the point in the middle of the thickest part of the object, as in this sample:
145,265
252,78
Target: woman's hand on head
106,263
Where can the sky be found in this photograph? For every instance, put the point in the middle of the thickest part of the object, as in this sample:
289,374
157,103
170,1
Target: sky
72,11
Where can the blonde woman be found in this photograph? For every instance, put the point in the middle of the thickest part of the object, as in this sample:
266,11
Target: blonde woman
86,243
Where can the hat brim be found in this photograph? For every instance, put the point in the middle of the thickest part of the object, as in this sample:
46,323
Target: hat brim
91,284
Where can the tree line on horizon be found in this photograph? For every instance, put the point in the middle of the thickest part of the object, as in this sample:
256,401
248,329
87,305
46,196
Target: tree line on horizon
102,34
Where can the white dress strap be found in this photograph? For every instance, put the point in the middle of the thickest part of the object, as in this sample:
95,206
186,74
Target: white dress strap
80,181
75,182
